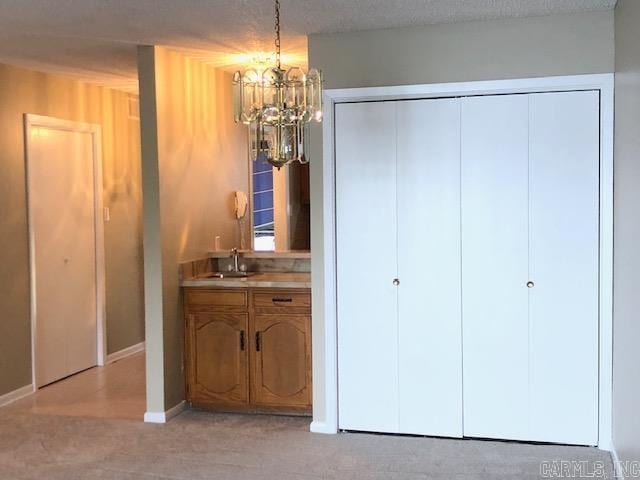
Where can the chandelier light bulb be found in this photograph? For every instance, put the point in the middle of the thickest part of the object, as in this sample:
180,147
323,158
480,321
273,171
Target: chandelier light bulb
277,106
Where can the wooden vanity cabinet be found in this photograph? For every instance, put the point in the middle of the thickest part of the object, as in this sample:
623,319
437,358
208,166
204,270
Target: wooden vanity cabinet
248,349
217,360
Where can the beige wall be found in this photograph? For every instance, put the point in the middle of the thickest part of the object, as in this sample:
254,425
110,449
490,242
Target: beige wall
488,50
194,158
626,314
23,91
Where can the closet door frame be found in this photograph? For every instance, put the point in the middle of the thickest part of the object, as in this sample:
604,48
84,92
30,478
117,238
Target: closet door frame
31,123
323,234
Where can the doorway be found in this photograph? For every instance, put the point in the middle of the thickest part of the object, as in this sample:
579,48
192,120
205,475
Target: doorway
66,247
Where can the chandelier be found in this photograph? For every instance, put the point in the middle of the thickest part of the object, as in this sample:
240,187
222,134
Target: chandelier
277,106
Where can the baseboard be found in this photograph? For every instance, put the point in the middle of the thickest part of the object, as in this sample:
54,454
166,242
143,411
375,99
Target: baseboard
155,417
125,352
605,444
322,427
11,397
164,417
616,462
176,410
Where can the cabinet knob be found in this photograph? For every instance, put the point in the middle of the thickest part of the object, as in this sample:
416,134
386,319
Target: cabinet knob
396,282
530,284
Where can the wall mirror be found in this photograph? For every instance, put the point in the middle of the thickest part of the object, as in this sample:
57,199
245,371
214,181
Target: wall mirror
280,206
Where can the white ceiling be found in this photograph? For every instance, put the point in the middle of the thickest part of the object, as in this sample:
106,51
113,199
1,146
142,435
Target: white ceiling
95,40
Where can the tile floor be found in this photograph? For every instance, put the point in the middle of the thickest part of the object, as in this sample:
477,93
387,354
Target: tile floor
114,391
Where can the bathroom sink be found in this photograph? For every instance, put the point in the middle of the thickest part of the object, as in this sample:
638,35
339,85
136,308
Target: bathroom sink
231,274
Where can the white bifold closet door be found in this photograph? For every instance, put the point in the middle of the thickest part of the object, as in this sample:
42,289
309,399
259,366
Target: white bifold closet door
366,236
398,218
429,296
564,157
63,241
495,266
530,266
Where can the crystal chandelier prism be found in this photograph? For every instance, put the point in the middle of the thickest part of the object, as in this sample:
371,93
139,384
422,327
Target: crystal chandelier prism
277,106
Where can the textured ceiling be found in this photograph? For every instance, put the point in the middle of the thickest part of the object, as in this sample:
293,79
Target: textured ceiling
95,40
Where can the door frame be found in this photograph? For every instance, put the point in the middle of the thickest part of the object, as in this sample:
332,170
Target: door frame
32,122
323,253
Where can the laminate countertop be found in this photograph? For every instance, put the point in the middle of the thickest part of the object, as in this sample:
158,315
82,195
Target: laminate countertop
257,280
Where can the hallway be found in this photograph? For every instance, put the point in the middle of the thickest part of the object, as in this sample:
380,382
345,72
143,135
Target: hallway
115,391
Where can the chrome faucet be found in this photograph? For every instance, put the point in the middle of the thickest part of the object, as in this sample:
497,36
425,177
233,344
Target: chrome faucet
236,257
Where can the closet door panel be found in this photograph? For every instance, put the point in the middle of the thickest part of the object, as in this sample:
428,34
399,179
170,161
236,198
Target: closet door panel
494,266
365,136
564,182
429,294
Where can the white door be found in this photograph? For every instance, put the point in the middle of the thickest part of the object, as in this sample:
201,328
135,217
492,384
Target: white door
495,266
530,266
484,208
563,237
398,258
63,250
366,266
429,295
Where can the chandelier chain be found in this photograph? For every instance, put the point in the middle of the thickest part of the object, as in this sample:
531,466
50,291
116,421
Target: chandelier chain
277,42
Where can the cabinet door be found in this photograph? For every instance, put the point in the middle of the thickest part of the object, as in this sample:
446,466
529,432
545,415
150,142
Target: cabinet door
281,360
429,303
366,241
495,136
218,358
564,159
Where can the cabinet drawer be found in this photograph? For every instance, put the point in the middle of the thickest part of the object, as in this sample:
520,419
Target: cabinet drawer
201,300
284,299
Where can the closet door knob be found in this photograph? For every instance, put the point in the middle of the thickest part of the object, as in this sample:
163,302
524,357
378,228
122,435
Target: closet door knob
530,284
396,282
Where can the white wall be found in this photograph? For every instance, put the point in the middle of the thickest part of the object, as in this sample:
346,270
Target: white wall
512,48
194,157
489,50
626,314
